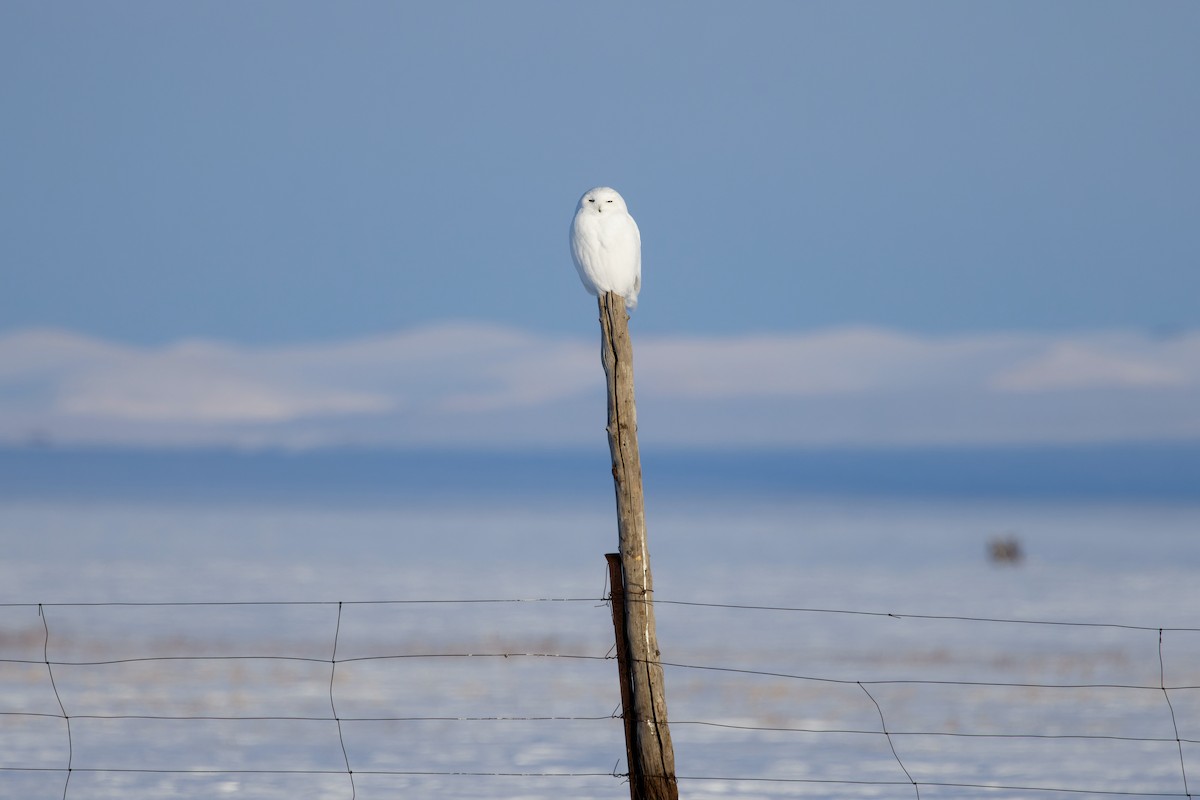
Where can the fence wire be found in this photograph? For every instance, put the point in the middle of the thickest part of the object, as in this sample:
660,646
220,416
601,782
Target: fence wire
362,699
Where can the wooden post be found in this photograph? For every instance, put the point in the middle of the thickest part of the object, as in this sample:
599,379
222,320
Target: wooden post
654,777
616,596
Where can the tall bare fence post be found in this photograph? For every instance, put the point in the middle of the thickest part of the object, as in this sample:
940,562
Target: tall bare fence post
652,766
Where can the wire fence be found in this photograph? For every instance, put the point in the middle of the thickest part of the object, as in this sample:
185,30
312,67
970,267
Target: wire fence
518,697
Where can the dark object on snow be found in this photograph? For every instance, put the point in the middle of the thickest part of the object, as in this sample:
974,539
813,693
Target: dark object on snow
1005,550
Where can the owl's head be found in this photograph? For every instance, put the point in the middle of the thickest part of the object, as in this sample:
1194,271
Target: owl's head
602,200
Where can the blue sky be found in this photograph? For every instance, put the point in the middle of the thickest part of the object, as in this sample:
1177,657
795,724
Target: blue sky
280,175
275,172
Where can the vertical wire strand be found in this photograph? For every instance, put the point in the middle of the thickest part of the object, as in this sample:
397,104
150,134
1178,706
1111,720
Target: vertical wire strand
891,744
58,698
1162,683
333,707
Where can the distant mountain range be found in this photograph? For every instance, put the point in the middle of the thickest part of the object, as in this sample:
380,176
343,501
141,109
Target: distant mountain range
1151,472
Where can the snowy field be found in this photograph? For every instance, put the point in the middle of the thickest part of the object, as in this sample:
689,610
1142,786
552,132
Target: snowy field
517,699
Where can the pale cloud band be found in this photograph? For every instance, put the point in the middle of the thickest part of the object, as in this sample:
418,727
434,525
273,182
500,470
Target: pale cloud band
464,385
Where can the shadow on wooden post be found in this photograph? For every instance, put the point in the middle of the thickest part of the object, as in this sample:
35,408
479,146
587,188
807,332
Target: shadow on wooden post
653,777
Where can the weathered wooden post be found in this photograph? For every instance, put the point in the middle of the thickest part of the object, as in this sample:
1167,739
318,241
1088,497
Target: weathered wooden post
616,596
652,765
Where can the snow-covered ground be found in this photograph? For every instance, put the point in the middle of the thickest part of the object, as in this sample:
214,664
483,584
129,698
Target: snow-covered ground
972,702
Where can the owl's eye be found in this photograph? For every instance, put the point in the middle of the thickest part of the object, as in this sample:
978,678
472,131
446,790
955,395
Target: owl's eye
608,201
591,199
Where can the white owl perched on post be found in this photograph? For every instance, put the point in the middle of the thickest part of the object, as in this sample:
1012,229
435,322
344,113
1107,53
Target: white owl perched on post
607,245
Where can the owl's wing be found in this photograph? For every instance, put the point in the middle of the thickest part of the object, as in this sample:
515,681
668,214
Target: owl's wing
631,299
585,251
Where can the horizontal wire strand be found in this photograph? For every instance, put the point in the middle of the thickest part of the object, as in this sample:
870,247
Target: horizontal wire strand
610,774
657,601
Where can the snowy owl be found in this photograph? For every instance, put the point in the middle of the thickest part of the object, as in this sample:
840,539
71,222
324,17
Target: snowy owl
606,245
